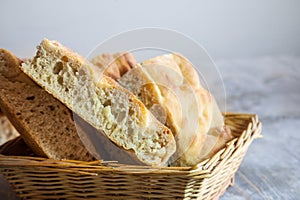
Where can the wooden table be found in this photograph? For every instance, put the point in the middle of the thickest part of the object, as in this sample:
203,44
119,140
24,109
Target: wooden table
269,87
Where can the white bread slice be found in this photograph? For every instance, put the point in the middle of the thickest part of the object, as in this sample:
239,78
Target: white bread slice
165,105
138,81
100,101
44,123
169,87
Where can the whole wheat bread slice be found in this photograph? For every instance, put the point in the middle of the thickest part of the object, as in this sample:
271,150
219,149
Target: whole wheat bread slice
44,123
101,102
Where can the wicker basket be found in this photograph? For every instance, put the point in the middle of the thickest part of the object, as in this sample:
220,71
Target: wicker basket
39,178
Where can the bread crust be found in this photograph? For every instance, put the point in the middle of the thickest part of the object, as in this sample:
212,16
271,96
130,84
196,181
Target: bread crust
191,111
116,65
211,134
156,92
44,123
100,101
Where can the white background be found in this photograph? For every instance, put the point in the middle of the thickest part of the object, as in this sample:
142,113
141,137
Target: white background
227,29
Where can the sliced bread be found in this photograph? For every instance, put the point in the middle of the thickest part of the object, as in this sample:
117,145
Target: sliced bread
114,65
100,101
191,112
44,123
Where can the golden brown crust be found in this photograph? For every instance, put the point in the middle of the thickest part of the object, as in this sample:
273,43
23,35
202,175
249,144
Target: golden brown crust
125,62
116,65
106,63
141,85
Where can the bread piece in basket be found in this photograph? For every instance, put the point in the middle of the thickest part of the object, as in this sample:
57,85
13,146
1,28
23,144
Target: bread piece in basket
170,83
170,88
115,65
100,101
44,123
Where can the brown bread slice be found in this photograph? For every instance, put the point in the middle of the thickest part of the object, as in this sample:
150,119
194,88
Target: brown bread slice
44,123
100,101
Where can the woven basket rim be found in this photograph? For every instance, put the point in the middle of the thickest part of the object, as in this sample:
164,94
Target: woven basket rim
203,168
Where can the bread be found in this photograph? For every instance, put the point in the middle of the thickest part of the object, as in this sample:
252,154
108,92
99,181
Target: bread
44,123
157,93
139,82
101,146
165,105
115,65
100,101
192,114
7,131
218,134
159,81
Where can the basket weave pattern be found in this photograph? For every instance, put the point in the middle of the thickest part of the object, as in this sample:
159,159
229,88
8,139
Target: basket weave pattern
39,178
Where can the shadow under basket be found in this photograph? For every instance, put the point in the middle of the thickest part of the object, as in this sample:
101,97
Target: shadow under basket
40,178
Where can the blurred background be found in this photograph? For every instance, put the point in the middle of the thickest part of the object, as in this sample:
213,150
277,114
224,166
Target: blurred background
227,29
255,44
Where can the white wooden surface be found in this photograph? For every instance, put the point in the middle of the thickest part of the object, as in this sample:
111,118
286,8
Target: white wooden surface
269,87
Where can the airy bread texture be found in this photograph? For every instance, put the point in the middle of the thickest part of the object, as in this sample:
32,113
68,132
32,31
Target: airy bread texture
44,123
166,84
101,146
100,101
